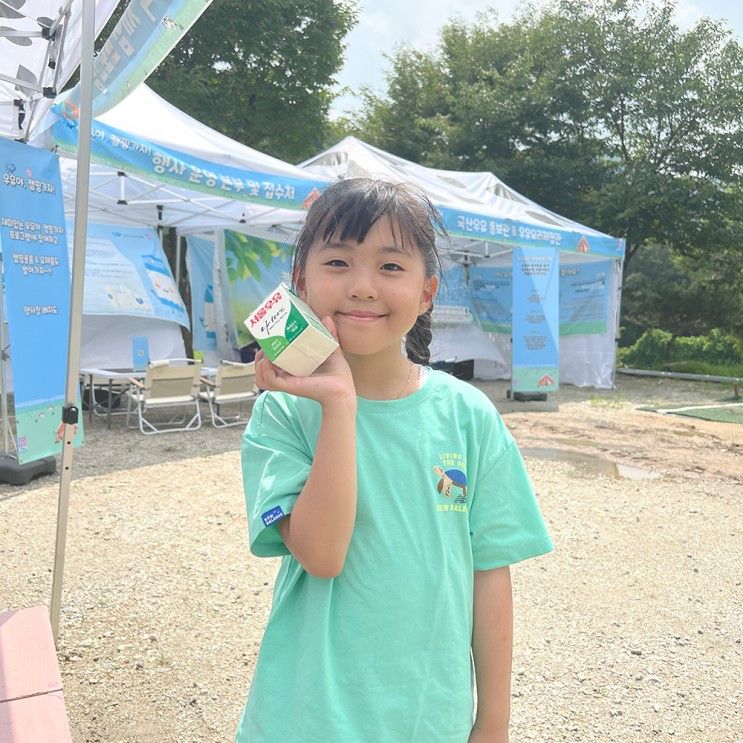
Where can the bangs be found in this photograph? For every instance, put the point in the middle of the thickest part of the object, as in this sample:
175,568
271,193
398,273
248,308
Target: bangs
348,209
356,212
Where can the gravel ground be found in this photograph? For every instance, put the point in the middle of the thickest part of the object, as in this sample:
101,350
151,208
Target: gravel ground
630,631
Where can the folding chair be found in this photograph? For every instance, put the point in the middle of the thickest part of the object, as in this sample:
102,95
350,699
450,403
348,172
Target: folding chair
234,384
172,383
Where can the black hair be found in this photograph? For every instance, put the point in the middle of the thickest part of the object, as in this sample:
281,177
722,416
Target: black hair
349,208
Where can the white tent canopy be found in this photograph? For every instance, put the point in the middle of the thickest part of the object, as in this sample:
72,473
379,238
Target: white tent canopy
118,196
585,360
480,193
38,55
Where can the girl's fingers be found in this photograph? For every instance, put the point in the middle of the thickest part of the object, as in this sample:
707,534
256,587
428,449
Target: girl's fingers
270,377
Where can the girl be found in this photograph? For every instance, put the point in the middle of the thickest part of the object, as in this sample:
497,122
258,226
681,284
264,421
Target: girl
396,496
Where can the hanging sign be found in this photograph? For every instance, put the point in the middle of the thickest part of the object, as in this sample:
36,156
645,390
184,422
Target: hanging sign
505,231
145,34
126,152
127,273
535,356
37,293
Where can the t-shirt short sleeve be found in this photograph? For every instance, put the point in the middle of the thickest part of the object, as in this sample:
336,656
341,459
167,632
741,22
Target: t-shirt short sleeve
506,524
276,462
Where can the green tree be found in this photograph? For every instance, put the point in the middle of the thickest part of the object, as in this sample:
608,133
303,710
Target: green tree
260,71
681,295
604,111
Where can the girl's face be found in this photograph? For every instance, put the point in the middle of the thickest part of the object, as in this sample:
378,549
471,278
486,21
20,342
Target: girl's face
374,290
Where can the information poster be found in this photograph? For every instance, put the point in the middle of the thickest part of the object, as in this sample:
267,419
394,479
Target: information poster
254,267
492,293
584,298
452,305
127,273
535,357
37,291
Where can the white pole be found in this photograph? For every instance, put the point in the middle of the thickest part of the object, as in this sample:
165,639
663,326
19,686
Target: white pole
70,412
618,267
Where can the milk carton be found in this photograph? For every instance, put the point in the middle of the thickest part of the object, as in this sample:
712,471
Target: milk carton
290,333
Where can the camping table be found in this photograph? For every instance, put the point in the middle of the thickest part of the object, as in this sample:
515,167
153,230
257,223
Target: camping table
111,375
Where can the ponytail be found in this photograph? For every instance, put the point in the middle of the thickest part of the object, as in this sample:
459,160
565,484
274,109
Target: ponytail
418,339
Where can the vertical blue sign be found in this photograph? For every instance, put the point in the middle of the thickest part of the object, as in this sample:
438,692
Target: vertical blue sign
140,352
536,306
37,292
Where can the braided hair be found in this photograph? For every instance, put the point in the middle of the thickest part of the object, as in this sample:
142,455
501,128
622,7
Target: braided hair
348,209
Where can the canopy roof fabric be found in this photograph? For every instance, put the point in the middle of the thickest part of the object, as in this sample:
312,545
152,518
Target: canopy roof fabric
39,51
472,198
145,114
121,194
134,200
126,188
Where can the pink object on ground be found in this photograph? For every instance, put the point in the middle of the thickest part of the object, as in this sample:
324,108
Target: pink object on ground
31,700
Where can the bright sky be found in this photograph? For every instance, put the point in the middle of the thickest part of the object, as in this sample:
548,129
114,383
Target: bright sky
384,24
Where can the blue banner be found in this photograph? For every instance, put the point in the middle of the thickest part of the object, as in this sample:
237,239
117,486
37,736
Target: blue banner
143,37
200,258
513,232
132,154
37,292
127,273
535,350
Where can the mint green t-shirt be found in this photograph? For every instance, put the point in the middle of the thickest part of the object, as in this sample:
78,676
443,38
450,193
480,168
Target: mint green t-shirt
381,653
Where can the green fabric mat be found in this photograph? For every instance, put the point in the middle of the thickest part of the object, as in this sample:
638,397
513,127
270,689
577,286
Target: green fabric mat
723,414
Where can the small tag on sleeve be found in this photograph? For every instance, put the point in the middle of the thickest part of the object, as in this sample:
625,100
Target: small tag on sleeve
272,516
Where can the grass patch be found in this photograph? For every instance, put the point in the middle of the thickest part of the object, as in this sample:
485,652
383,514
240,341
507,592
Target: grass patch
599,401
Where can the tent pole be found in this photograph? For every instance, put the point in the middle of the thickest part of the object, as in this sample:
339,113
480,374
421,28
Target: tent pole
70,412
618,271
178,262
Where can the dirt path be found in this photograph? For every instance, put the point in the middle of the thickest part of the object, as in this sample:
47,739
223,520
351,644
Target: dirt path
629,632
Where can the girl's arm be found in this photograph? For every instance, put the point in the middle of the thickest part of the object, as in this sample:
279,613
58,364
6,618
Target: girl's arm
492,643
319,529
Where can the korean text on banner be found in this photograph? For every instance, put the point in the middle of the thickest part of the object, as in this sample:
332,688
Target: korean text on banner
506,231
124,151
535,359
37,291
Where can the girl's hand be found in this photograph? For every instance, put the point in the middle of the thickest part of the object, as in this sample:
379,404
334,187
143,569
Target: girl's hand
330,382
